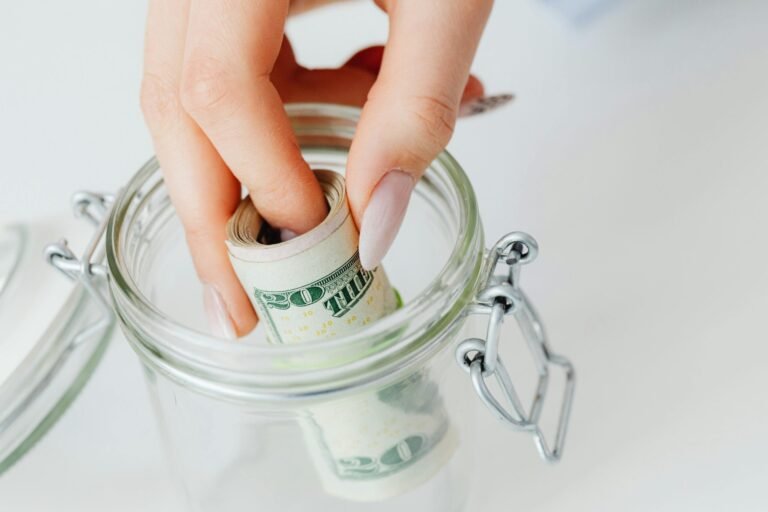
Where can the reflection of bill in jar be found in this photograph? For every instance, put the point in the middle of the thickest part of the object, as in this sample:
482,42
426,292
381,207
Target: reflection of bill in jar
374,446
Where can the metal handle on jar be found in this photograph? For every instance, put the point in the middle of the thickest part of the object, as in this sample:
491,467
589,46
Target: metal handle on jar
501,296
87,269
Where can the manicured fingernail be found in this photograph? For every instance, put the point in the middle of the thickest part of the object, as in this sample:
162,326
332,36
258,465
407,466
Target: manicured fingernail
484,104
383,216
218,317
287,234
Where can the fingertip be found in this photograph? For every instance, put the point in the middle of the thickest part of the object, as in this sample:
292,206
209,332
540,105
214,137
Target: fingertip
229,313
241,311
473,90
228,310
383,216
219,321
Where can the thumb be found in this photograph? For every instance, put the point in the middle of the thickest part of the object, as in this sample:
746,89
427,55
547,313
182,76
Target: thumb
410,113
396,140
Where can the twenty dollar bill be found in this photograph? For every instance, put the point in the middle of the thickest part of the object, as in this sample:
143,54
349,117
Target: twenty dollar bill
312,286
372,445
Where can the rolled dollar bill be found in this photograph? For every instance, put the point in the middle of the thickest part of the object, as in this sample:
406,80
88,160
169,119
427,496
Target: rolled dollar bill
380,444
372,445
312,286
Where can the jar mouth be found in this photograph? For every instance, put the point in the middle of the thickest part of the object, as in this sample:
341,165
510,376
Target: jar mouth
409,334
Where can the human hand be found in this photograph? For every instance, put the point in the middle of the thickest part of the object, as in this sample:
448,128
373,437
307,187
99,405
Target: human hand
216,76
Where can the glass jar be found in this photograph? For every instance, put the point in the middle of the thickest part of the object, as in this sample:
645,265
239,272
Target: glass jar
249,425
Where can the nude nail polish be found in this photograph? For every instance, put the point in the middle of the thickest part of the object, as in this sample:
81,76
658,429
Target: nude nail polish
287,234
219,321
383,216
485,104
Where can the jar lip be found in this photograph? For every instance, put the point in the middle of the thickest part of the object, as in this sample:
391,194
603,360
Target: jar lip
170,340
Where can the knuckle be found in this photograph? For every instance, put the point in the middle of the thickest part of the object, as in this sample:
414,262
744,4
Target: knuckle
206,85
159,100
434,119
274,191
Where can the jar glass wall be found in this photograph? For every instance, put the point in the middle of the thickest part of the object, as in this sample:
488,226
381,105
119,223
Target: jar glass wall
253,425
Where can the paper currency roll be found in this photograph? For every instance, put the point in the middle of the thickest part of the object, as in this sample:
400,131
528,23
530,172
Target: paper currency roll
312,286
381,444
372,445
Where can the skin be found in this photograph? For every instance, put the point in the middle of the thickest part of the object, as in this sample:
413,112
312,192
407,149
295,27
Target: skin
216,75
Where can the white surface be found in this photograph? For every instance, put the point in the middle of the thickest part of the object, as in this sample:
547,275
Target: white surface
636,153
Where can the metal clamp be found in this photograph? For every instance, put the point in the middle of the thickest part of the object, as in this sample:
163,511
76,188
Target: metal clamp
502,296
87,269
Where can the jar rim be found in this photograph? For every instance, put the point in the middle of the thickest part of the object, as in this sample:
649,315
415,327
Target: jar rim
178,350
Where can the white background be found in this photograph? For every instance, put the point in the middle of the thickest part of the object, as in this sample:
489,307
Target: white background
637,154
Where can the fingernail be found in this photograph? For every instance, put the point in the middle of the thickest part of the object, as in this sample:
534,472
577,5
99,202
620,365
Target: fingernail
218,317
383,216
484,104
287,234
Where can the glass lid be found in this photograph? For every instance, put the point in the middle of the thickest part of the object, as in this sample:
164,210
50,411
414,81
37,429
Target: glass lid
48,347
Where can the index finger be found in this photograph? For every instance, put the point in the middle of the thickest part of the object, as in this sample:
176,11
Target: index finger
230,52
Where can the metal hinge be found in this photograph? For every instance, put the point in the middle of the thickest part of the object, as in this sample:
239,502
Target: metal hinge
502,296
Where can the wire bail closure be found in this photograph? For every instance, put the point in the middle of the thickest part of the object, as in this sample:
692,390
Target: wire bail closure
87,269
501,296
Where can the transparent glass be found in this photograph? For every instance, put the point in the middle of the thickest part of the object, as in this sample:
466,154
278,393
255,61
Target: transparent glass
254,426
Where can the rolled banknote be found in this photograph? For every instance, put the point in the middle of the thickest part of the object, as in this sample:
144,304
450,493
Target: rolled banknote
380,444
372,445
312,286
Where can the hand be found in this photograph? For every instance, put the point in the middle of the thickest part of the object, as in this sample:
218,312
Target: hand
216,76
